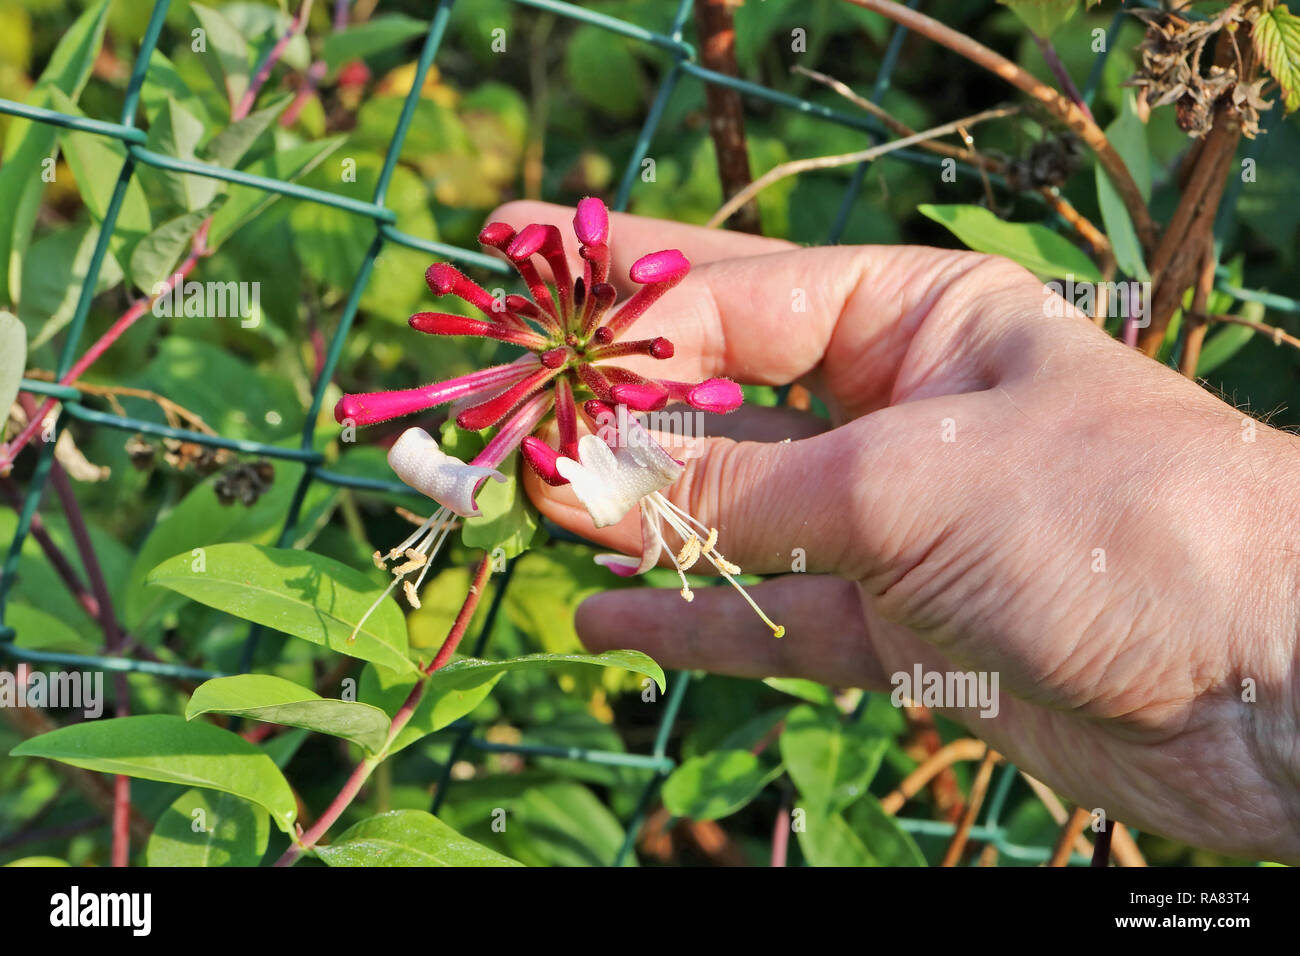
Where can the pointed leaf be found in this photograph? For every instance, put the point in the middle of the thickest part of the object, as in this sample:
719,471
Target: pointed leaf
1035,247
166,748
208,828
275,700
831,762
176,132
226,55
716,784
297,592
408,838
157,254
228,147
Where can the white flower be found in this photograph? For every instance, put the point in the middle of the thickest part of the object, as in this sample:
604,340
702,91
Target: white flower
416,458
611,482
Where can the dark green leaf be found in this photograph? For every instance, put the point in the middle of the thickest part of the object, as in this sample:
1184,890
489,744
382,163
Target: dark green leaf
54,273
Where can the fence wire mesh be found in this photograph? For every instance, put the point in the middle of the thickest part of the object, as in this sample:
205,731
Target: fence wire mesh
684,65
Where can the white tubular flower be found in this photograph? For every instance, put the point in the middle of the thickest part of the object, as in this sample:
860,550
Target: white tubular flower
611,482
416,458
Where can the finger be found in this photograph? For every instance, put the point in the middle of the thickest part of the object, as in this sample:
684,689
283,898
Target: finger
632,237
754,423
854,501
826,638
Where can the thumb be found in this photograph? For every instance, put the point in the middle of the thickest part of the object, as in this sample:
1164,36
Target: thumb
807,505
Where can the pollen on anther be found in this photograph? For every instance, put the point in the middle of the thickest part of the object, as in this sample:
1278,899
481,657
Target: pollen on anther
687,595
379,561
408,588
711,540
689,554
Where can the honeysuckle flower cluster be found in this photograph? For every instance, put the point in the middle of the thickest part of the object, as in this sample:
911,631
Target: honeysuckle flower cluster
573,335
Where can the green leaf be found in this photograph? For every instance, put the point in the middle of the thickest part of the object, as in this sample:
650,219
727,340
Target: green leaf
70,64
162,82
1222,345
374,36
13,360
53,275
716,784
561,823
832,763
176,132
297,592
808,690
601,69
96,162
29,861
228,147
156,255
1276,37
28,144
41,631
830,841
408,838
275,700
1128,135
889,843
226,54
166,748
246,201
208,828
1033,246
455,690
507,520
1043,17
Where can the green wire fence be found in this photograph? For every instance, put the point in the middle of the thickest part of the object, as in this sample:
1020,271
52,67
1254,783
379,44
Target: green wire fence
684,64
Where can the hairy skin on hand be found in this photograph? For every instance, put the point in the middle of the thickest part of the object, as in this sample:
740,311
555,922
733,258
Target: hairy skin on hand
1122,688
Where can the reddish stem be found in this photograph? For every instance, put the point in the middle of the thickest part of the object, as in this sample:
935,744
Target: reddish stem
362,771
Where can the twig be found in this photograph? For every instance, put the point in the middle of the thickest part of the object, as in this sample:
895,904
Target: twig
967,748
1278,335
717,34
1067,112
781,834
361,773
977,791
795,167
1056,810
112,645
1065,839
1195,324
1053,61
984,164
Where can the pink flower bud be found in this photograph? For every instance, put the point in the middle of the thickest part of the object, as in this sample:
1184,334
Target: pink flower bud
541,457
647,397
591,222
720,395
442,323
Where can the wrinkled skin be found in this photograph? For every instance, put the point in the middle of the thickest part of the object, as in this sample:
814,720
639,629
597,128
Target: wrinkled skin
1121,688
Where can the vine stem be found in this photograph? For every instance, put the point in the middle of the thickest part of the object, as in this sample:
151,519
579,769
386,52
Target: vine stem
1053,61
1059,105
361,773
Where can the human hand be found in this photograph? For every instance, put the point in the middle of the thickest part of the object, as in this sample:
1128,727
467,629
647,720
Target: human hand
1117,544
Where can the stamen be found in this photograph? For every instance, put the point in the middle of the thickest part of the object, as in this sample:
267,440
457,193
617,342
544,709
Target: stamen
689,554
411,597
